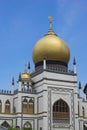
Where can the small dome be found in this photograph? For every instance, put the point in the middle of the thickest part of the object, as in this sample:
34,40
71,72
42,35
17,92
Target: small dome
25,75
51,47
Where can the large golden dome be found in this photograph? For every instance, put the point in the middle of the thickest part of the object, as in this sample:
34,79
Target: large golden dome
51,47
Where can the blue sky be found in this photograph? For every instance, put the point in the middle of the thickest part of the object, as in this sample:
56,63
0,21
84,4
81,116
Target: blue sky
24,22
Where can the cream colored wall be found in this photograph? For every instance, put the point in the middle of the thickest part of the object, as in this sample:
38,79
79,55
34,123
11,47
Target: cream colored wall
58,85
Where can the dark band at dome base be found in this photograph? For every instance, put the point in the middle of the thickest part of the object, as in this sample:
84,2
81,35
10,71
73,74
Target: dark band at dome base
52,65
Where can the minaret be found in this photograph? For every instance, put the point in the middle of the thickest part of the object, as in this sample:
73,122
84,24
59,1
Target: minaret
19,83
12,91
80,95
29,67
74,64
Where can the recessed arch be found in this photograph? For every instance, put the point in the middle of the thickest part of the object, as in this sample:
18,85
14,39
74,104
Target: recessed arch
60,110
28,125
5,124
7,106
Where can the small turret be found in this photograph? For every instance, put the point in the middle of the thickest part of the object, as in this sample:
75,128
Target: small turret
19,83
26,78
13,81
12,91
74,64
80,94
29,67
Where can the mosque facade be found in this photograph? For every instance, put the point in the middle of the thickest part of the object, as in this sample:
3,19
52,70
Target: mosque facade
49,98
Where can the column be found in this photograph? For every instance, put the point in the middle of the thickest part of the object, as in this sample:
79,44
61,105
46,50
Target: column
19,122
45,101
80,107
35,105
76,124
11,106
81,125
35,125
45,123
44,64
3,105
19,109
76,106
14,122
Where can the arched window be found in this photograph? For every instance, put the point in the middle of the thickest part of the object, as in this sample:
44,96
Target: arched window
31,106
7,106
25,106
28,125
5,124
60,110
0,106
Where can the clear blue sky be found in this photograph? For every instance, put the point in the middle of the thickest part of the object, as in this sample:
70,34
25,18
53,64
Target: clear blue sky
23,22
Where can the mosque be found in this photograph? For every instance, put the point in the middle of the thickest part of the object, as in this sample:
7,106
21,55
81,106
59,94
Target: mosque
49,98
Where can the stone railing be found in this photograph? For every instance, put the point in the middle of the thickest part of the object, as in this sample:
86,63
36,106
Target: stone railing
31,91
5,92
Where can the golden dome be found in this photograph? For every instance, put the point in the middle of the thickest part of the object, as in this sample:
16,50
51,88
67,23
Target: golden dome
25,75
51,47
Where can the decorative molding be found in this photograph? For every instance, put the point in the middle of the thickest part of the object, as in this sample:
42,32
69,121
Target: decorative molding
38,102
55,80
44,112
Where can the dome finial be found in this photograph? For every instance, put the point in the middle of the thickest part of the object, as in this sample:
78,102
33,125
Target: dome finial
25,68
50,21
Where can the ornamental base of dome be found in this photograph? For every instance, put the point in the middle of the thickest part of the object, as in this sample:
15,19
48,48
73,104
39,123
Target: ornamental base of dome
56,66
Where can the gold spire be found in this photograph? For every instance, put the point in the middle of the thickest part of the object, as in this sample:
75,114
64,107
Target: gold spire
50,21
25,68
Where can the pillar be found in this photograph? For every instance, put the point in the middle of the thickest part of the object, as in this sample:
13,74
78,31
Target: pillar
81,125
45,122
80,107
35,125
35,105
44,64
